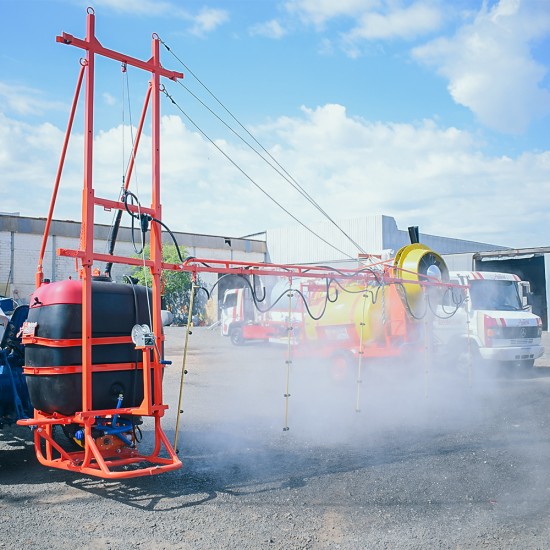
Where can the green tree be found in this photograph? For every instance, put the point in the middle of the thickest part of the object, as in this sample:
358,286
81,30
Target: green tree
176,285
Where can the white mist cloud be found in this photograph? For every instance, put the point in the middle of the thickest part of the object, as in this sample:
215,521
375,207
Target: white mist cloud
490,67
422,174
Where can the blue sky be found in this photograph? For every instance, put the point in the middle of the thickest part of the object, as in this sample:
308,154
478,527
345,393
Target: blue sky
431,111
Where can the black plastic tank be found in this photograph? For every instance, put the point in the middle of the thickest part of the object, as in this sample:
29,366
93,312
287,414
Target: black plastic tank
56,308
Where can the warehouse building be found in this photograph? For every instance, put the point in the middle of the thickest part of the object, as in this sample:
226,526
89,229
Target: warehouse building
21,240
375,234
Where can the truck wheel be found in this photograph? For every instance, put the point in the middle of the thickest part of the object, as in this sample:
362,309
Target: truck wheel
460,355
236,336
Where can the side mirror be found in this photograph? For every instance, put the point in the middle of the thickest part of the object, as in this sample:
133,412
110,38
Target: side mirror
525,295
527,301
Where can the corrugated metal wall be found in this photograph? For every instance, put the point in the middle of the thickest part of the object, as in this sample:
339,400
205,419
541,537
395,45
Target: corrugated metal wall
297,245
373,233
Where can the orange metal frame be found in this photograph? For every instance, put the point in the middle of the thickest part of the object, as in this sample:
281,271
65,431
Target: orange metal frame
93,460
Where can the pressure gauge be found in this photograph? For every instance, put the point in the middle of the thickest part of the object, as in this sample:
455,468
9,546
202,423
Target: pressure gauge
142,336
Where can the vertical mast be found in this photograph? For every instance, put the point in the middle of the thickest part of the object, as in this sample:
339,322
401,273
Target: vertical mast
87,228
156,234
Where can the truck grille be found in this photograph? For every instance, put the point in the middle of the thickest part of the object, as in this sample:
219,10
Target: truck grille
520,333
522,342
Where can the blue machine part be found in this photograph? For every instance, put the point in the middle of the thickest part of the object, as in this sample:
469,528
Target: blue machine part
7,305
14,396
116,426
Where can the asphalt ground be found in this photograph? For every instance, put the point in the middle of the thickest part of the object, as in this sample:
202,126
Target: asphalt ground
431,460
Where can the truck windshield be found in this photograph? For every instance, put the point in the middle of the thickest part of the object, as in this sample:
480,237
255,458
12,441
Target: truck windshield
496,295
230,300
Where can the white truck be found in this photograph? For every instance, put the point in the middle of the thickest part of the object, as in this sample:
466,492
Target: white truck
493,321
237,311
243,322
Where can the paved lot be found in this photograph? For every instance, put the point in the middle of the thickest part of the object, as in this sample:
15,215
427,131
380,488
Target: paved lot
431,461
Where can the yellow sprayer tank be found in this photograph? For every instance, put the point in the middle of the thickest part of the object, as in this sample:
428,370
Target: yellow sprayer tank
381,316
377,311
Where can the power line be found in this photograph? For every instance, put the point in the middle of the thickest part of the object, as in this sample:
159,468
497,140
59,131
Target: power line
257,185
282,172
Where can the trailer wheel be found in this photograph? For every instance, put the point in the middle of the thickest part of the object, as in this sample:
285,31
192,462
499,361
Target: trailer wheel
341,366
236,336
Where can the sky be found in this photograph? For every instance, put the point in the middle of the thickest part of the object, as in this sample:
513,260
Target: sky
434,112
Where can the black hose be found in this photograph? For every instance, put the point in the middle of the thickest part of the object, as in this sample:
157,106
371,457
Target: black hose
113,234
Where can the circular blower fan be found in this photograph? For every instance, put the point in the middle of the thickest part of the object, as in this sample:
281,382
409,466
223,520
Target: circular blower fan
416,263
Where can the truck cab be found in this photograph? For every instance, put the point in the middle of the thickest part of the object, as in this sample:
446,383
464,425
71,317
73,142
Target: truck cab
237,311
492,320
243,322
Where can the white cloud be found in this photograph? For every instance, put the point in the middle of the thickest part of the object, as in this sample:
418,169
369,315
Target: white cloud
421,174
22,100
138,7
406,23
269,29
208,20
28,163
204,21
489,64
319,12
109,99
370,19
326,47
